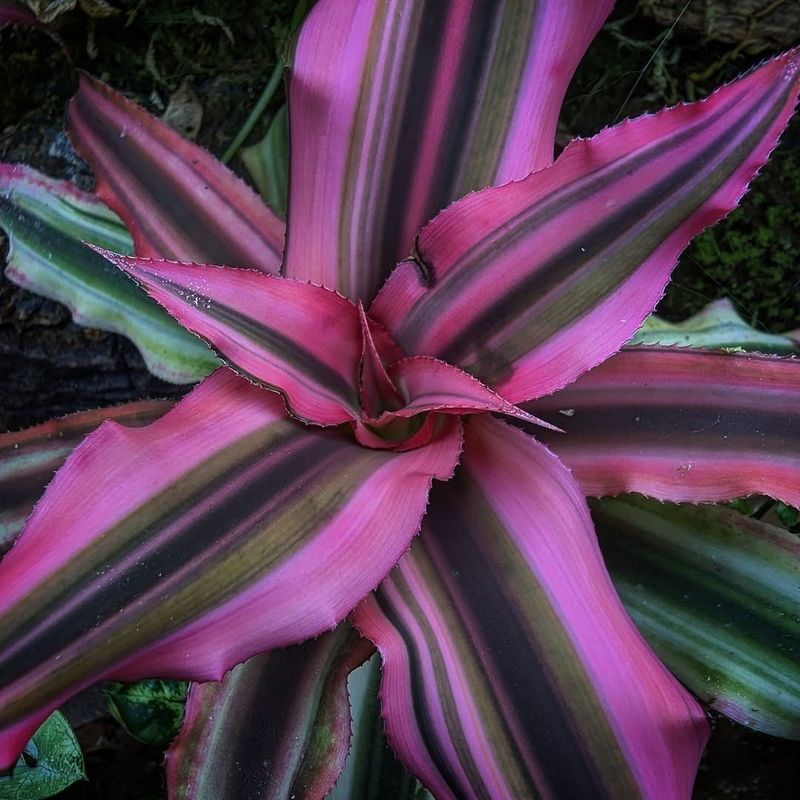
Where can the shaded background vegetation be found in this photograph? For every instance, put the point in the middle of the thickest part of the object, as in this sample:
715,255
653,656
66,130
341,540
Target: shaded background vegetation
216,56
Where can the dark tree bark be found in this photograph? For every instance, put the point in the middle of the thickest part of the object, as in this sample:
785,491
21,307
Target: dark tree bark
50,366
755,25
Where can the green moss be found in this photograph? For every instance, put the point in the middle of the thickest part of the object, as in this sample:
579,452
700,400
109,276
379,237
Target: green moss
753,257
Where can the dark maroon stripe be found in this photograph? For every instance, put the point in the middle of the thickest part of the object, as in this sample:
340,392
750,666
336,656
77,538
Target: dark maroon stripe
571,259
289,351
426,723
213,530
208,237
284,684
417,109
445,288
750,429
462,527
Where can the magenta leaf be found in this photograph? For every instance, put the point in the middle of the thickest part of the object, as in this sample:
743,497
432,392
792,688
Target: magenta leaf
510,666
29,458
682,425
278,332
189,553
528,285
277,726
398,109
17,14
428,384
177,200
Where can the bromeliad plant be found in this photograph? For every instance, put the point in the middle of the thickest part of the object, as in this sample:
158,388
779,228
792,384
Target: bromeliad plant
362,403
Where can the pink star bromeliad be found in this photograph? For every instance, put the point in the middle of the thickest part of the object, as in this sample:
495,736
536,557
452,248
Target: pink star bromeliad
367,396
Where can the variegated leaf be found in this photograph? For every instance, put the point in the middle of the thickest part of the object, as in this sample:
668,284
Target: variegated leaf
47,222
177,200
681,424
29,458
300,339
718,326
717,595
275,727
528,285
189,553
511,669
398,109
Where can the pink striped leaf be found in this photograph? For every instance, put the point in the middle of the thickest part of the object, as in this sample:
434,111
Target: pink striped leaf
528,285
416,385
177,200
432,385
16,14
303,340
378,393
398,109
277,726
510,666
189,553
682,425
29,458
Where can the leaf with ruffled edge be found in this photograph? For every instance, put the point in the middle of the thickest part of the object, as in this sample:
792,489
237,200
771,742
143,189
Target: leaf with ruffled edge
719,327
190,552
46,222
300,339
510,666
29,458
717,595
681,424
177,200
276,726
526,286
398,109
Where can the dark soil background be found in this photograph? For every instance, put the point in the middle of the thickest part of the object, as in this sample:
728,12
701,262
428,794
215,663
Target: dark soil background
221,53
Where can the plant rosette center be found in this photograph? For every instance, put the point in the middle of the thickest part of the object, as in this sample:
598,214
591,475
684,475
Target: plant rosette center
406,401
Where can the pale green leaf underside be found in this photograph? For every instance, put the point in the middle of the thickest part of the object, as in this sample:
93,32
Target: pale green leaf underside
46,255
717,595
52,761
718,326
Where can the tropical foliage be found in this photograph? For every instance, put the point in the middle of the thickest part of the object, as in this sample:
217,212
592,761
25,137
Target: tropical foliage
417,393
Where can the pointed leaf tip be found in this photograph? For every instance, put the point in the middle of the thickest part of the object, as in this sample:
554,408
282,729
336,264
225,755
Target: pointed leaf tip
274,331
189,553
538,281
177,200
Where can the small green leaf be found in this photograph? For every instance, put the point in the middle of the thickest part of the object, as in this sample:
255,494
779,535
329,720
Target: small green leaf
151,710
718,326
787,515
371,771
267,162
51,761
